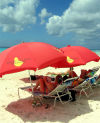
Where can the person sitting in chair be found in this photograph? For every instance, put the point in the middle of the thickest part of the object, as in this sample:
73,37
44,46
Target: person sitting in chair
46,85
71,73
84,75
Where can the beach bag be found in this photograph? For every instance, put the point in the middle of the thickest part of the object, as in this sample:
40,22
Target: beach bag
66,97
63,98
33,77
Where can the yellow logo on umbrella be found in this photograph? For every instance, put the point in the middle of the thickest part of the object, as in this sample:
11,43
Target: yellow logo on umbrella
17,62
69,60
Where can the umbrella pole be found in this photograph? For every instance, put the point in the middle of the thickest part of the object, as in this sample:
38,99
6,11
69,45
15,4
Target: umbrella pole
71,69
31,83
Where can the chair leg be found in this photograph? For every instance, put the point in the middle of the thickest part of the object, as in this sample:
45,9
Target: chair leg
70,96
84,90
92,92
55,101
85,93
58,96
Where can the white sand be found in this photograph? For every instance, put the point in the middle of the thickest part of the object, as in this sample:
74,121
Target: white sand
15,110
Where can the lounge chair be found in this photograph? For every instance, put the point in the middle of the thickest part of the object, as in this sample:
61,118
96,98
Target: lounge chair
95,80
60,91
95,68
87,85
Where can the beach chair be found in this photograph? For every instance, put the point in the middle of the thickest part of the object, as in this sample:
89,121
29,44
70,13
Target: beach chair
95,68
60,91
94,71
57,93
95,80
87,85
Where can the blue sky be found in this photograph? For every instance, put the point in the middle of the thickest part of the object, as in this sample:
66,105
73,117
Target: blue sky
57,22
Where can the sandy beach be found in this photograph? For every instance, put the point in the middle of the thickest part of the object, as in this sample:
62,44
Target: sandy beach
15,110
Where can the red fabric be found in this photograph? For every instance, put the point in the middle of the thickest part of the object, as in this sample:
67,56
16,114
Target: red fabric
29,56
78,55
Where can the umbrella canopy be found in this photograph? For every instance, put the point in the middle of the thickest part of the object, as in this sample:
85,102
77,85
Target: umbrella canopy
31,55
78,55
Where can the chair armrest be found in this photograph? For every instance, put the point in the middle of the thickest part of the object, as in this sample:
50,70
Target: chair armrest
71,79
26,87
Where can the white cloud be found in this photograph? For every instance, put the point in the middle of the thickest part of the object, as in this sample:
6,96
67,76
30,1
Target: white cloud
14,15
5,2
82,18
44,14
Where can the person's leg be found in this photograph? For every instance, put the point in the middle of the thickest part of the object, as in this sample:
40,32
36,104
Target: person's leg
42,85
36,86
49,85
73,94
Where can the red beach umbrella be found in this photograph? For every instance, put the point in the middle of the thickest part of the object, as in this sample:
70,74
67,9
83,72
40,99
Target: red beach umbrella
78,55
29,56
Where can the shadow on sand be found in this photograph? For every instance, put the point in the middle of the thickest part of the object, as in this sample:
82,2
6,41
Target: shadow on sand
61,113
27,80
96,94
